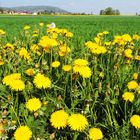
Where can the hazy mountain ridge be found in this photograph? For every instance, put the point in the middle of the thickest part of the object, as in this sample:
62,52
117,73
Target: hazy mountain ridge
37,9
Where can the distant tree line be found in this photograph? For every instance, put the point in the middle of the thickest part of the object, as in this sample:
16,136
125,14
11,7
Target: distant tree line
1,10
110,11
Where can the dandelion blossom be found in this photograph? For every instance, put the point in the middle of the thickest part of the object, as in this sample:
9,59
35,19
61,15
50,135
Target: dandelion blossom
95,134
41,24
41,81
55,64
30,72
59,119
135,76
85,72
132,85
7,80
66,68
33,104
17,85
10,46
128,53
23,133
14,82
135,121
77,122
80,66
26,27
128,96
81,62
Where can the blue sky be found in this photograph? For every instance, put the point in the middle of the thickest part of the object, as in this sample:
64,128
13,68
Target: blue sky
88,6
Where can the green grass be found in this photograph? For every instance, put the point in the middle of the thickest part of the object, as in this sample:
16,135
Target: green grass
84,26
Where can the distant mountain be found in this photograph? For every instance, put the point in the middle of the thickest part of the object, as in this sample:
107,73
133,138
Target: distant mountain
49,9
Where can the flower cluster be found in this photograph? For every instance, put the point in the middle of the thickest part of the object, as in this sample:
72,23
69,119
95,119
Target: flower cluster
77,122
14,82
81,67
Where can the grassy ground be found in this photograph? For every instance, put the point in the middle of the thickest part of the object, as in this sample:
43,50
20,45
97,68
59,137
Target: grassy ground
83,25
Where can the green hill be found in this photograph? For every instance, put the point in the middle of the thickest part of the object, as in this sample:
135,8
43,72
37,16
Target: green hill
49,9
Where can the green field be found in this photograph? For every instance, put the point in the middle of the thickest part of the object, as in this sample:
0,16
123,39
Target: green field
79,81
84,26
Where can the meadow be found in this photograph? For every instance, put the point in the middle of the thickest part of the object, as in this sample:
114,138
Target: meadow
76,81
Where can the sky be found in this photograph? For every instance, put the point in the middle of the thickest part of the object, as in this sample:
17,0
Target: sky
87,6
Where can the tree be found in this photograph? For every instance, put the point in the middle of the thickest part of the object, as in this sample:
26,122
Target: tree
117,12
102,12
110,11
1,10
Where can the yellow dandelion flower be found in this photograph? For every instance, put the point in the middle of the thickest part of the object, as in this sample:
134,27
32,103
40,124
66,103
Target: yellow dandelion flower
135,76
81,62
41,81
96,49
101,74
119,40
85,72
55,64
64,50
23,133
77,122
59,119
27,27
76,69
6,80
66,68
14,82
33,104
24,53
137,57
136,37
80,66
128,53
10,46
127,38
34,35
95,134
34,48
135,121
9,78
69,34
45,41
90,44
2,32
128,96
1,61
54,35
105,32
30,72
1,128
138,91
132,85
100,35
45,103
17,85
41,24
